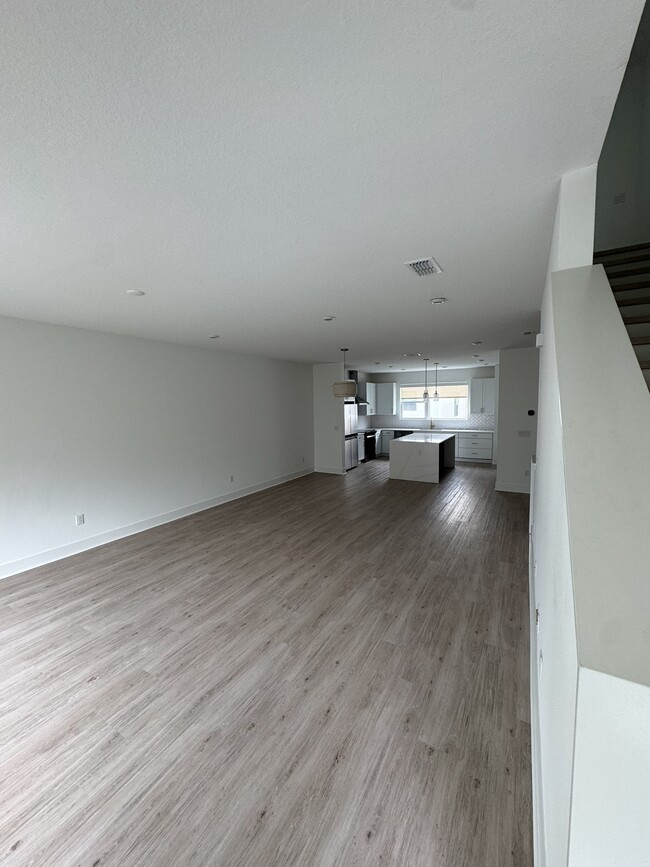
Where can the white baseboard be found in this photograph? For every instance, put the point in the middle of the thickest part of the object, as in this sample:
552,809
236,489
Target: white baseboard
336,471
54,554
513,487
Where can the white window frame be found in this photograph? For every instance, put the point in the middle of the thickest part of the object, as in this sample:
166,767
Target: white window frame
428,416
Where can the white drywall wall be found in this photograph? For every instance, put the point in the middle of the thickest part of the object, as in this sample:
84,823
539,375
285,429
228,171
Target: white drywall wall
554,666
589,571
609,818
606,465
554,663
328,419
573,232
518,383
131,432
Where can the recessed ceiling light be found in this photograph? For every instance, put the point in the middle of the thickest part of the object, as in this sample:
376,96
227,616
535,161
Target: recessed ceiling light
135,292
444,366
481,359
412,355
329,318
476,342
391,365
527,332
214,336
377,362
437,300
475,356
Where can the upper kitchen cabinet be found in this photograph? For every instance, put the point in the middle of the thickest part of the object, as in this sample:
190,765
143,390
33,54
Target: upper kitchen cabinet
368,391
482,396
386,398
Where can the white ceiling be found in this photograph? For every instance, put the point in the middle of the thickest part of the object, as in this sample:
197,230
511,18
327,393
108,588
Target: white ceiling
255,166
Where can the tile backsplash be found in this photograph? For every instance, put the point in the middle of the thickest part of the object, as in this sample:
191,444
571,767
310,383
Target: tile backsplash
474,422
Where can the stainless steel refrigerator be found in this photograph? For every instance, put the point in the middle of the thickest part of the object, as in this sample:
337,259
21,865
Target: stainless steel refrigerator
351,441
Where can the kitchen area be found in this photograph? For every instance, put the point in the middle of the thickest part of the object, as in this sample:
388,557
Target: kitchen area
489,409
380,408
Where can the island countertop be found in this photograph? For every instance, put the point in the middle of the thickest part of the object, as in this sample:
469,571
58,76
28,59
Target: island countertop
426,437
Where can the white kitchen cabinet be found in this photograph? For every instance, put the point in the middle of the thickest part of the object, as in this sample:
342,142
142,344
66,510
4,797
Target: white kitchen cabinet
474,445
482,396
370,394
386,398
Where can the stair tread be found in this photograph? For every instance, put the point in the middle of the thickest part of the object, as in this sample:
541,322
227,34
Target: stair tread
637,320
625,260
628,272
640,341
600,254
629,287
645,365
633,302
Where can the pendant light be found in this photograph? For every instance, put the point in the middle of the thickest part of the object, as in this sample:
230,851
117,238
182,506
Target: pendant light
425,393
346,388
436,396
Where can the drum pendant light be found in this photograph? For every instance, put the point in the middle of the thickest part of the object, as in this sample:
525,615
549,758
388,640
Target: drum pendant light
346,388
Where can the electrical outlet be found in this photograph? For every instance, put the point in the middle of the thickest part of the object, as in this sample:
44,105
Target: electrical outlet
80,519
232,478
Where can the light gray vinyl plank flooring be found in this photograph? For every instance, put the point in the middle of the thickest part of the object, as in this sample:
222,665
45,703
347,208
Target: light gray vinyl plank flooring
332,672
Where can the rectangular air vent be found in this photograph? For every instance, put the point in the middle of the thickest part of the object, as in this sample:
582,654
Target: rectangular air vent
424,267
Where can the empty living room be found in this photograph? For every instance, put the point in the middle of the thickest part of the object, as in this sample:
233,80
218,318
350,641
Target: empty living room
319,544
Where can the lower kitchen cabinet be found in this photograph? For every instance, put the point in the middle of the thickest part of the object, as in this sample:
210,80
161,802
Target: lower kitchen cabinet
474,446
470,445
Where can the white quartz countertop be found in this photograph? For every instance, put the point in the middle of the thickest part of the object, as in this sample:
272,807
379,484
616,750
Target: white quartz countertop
425,437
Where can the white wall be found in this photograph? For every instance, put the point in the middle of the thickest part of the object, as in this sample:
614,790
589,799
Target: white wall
606,468
328,419
554,656
133,432
590,550
518,381
610,820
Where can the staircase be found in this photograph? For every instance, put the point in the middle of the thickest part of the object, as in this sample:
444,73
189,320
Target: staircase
628,271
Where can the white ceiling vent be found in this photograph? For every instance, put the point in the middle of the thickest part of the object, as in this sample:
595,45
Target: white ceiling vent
423,267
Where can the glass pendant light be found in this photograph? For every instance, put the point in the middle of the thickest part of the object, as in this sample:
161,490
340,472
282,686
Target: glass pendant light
436,396
425,393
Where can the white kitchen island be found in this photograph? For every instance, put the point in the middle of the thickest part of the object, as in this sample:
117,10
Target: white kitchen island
422,456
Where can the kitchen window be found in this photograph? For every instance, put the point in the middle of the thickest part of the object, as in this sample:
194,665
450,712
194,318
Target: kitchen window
453,402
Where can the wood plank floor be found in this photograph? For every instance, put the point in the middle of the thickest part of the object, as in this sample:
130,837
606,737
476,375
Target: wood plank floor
332,672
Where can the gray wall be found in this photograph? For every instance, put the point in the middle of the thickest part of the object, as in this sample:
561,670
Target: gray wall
624,165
